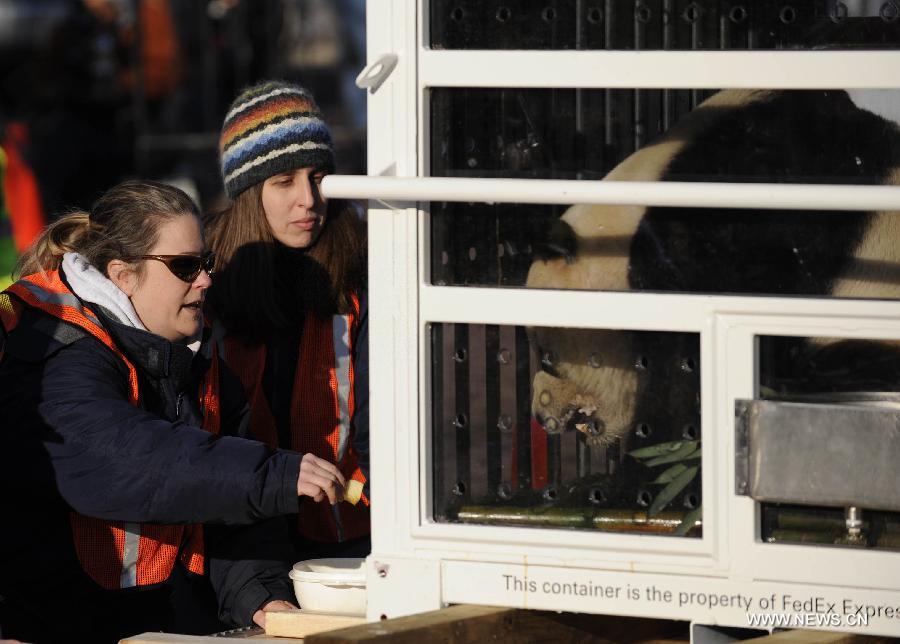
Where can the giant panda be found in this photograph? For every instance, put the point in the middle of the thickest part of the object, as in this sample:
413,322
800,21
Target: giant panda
593,380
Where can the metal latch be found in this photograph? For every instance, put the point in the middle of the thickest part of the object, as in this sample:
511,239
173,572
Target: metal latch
372,76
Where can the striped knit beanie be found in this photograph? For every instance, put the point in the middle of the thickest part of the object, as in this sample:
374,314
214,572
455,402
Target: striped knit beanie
270,128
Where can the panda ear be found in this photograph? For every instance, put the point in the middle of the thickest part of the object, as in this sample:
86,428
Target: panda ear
557,242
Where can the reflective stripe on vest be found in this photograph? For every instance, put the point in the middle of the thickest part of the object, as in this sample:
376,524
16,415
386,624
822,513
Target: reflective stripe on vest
343,375
10,309
117,554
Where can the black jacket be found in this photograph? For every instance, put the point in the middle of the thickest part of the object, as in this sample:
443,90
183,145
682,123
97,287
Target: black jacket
71,440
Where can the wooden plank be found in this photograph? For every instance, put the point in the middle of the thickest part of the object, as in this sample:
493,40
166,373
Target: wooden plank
423,627
464,624
818,637
173,638
301,623
156,638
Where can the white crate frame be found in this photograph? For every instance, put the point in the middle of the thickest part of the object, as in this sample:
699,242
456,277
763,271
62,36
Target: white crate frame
403,303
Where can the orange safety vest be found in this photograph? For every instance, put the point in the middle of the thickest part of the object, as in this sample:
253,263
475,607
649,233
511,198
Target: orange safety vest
115,554
322,406
20,187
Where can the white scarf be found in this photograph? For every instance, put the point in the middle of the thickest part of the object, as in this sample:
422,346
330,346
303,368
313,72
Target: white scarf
92,286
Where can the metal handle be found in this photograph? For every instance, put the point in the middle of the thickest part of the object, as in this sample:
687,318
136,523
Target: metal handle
372,76
642,193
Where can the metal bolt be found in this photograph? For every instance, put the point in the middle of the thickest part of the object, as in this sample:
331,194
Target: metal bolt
853,519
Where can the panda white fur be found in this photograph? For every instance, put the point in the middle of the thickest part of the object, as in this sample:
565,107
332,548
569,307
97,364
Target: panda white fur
591,381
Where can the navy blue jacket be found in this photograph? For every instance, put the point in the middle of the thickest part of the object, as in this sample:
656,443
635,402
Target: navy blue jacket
70,439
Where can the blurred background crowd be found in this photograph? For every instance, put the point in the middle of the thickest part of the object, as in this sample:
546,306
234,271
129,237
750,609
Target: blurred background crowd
94,91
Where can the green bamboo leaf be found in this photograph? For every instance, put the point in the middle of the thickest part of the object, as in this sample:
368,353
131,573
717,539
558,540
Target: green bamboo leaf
658,449
669,475
689,448
671,490
688,522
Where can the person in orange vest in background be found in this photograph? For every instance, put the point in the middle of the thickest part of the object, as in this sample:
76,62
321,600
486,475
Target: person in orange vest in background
21,211
133,500
289,300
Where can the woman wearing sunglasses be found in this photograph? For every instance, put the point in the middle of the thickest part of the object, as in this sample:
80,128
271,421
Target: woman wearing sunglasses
289,300
138,505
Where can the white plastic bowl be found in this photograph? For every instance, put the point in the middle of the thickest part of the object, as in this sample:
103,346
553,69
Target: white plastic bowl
333,586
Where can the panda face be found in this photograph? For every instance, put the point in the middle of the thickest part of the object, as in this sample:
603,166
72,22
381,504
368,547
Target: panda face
585,375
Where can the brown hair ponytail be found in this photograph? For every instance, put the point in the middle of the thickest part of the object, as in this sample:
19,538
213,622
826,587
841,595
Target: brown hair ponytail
67,234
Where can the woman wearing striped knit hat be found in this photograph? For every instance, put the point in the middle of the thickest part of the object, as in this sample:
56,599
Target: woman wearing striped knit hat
288,301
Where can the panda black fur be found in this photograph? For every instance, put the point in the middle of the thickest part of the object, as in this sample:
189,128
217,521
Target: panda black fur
734,136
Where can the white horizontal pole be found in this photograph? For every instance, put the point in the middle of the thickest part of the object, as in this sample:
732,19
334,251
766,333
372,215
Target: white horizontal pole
661,69
641,193
689,312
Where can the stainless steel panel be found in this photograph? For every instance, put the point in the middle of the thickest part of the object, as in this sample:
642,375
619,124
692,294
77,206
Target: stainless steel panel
807,453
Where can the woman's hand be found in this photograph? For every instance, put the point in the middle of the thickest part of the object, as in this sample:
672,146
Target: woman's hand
259,617
319,478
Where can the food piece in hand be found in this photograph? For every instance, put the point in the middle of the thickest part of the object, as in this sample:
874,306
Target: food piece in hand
353,492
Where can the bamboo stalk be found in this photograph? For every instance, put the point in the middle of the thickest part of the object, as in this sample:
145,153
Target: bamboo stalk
802,536
610,520
802,520
537,517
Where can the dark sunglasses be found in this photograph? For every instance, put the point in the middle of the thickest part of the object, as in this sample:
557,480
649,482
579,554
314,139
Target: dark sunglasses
186,267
